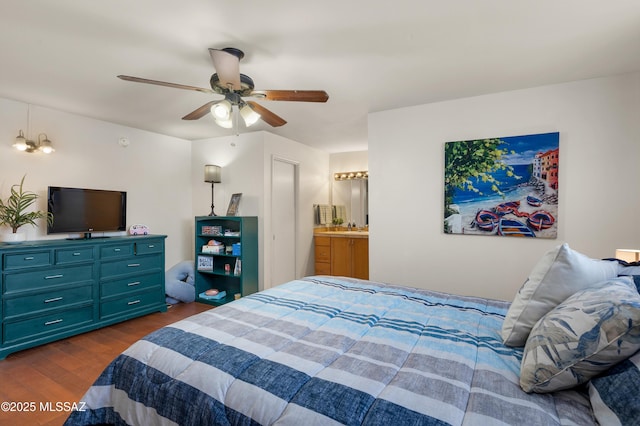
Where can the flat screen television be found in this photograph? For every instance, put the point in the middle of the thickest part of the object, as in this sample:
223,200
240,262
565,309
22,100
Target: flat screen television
81,210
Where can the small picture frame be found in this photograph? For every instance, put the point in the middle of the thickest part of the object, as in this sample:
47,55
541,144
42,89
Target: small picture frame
233,204
205,263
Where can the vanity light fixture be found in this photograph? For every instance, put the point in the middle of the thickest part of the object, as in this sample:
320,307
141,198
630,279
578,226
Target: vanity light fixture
628,255
212,174
351,175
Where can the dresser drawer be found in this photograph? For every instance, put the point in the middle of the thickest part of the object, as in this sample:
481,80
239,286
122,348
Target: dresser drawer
74,255
121,306
27,260
42,279
130,284
46,301
47,324
116,250
132,265
149,247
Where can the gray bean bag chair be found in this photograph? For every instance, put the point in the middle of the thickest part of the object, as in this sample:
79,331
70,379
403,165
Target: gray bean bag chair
179,283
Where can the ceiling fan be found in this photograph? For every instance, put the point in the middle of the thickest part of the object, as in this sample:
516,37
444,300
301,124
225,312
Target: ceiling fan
234,86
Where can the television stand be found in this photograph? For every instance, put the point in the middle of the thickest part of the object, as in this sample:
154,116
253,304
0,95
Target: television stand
52,289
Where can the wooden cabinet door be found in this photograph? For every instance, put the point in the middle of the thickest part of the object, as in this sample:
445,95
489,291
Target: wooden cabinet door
341,258
360,258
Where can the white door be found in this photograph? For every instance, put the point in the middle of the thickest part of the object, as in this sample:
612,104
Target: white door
283,220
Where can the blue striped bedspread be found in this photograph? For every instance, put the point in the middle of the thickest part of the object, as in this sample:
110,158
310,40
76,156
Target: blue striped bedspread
328,351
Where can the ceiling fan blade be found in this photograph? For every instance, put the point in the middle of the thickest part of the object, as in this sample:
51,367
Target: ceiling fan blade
267,116
292,95
164,83
200,112
227,66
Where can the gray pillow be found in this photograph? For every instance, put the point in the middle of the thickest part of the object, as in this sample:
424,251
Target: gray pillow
560,273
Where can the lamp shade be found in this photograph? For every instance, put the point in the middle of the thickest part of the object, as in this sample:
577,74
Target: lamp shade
628,255
249,115
212,173
21,142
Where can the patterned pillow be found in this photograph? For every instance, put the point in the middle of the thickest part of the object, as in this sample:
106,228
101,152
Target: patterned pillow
614,394
586,334
636,279
560,273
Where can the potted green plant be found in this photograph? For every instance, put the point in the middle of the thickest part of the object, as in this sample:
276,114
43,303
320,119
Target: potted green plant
14,214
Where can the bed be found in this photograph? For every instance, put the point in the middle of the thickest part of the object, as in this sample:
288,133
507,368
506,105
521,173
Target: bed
328,350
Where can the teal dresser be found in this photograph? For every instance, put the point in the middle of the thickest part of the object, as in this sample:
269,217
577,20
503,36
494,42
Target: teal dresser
52,289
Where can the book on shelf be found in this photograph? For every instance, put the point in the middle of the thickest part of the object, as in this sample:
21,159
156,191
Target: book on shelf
211,230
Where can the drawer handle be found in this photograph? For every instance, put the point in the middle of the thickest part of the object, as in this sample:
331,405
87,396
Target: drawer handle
29,258
116,249
53,322
76,254
151,246
133,283
133,302
55,299
50,277
133,265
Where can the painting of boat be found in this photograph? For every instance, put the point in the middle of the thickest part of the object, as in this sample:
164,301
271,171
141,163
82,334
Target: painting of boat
510,178
514,228
486,220
540,219
508,207
533,201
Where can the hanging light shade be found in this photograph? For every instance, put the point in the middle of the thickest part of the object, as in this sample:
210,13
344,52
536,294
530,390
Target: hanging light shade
21,142
221,110
249,116
44,145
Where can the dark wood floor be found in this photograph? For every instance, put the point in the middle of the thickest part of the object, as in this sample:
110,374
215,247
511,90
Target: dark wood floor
62,371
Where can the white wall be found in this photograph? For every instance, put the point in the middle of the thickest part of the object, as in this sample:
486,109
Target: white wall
246,168
154,169
598,197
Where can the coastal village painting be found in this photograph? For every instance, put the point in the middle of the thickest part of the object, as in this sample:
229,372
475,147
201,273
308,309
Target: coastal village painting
504,186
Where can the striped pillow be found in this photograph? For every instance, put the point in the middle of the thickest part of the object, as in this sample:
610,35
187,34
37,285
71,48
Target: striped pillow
614,394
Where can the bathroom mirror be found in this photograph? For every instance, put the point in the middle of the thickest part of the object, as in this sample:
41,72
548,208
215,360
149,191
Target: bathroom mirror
351,196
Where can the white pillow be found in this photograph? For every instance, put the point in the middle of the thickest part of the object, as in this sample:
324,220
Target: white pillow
583,336
560,273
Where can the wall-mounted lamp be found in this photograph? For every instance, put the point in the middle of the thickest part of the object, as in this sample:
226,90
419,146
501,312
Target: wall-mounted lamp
25,144
351,175
212,174
41,145
628,255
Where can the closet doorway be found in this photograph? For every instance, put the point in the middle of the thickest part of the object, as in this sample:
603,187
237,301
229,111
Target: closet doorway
284,224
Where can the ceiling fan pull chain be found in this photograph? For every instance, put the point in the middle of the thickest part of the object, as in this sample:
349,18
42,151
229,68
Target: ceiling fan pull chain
235,120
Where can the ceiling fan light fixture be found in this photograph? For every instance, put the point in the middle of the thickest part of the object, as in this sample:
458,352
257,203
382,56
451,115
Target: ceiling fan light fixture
227,124
221,110
249,116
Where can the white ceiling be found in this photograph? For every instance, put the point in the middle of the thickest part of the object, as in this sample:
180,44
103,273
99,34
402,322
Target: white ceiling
368,55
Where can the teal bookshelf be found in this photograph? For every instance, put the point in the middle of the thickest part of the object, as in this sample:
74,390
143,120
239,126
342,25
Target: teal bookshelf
231,265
